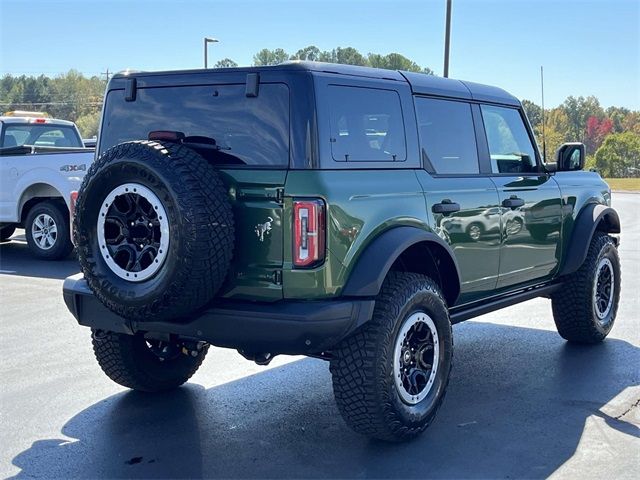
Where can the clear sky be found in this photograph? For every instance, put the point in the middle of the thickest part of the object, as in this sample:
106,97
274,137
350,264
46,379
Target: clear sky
587,47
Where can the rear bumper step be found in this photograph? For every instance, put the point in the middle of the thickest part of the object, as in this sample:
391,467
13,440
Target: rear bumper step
288,327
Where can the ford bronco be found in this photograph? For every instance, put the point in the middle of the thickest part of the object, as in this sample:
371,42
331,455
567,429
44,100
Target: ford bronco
346,213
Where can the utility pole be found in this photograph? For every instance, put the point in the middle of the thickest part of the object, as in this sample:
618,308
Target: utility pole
544,142
107,73
447,39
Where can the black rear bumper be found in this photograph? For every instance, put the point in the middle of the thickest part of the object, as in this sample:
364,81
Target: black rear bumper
290,327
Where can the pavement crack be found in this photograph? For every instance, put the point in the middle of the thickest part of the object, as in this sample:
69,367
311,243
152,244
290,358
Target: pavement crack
634,405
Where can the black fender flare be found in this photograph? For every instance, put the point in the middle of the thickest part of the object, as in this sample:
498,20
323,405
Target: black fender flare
588,221
374,263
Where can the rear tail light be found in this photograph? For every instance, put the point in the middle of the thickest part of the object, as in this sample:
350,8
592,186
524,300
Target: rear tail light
74,199
308,232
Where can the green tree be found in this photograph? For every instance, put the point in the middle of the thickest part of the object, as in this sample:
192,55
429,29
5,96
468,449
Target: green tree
88,124
534,113
270,57
631,122
395,61
350,56
311,53
619,156
225,63
617,116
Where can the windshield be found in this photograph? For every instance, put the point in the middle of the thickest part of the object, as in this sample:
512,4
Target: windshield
220,121
40,135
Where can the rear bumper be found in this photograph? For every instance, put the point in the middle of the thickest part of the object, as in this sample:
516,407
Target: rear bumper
289,327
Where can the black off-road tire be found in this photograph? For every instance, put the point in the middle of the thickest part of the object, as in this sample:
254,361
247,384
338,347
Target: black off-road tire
6,232
574,309
200,225
62,246
362,365
128,361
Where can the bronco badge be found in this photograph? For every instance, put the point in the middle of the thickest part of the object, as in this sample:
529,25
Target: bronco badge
263,228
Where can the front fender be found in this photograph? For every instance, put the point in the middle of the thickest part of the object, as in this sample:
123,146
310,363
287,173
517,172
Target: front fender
375,262
592,217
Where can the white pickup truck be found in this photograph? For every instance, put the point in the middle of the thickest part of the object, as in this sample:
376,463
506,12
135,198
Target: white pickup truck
42,163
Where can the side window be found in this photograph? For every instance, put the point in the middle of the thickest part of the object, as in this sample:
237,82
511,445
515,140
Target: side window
447,136
366,125
510,147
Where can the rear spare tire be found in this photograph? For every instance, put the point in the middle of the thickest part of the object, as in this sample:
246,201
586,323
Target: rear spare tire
154,230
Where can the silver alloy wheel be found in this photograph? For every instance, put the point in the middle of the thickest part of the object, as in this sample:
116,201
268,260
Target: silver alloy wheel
475,232
133,232
415,358
44,231
603,288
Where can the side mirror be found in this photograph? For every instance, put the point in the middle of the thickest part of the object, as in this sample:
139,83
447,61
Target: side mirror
571,157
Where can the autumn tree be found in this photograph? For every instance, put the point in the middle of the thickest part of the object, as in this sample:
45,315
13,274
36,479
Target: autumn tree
595,133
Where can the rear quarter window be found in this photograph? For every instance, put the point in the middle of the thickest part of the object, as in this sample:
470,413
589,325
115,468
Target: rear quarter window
366,125
234,128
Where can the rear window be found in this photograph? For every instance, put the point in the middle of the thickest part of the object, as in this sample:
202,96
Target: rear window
366,125
223,124
40,135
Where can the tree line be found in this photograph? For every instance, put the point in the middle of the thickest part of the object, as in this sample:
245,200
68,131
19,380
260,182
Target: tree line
611,135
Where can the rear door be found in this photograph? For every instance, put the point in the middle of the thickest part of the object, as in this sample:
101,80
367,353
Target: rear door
530,199
462,204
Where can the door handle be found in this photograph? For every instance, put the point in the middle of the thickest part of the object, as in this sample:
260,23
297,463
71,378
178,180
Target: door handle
445,207
513,202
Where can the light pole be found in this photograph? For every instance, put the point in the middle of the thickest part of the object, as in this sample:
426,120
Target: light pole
447,38
206,41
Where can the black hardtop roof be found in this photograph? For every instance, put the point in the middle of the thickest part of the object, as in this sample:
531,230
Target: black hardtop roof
420,83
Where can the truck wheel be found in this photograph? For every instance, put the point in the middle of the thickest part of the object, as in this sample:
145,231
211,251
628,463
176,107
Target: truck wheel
146,365
6,232
390,376
47,231
154,230
585,307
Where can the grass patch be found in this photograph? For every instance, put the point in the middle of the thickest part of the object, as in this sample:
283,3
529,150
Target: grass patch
630,184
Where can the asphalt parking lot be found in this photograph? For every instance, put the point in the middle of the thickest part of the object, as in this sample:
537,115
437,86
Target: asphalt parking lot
521,402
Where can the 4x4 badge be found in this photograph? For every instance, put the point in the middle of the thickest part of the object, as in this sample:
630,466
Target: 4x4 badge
263,228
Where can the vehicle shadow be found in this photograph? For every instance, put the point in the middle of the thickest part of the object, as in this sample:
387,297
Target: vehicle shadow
16,259
516,407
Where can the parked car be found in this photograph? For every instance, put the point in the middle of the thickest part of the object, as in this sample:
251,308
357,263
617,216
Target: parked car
42,162
304,209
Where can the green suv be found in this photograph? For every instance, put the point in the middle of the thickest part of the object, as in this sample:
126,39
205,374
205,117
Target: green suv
339,212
